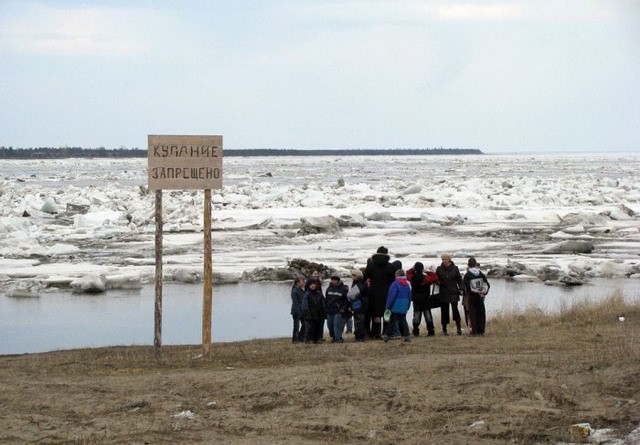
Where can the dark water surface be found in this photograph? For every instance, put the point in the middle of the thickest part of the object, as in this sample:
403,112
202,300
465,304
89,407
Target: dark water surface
242,311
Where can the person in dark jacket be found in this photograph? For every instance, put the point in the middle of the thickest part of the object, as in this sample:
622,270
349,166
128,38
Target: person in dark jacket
380,272
398,302
313,312
421,282
451,287
359,299
337,308
315,275
297,295
476,287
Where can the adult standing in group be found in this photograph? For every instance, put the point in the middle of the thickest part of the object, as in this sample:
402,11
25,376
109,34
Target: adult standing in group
381,273
451,286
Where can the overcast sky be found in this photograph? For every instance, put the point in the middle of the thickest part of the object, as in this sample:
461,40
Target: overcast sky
512,76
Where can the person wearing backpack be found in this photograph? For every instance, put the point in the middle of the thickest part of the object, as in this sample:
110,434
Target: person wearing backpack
476,287
358,296
421,282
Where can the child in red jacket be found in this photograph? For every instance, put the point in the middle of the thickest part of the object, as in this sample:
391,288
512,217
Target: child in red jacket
421,282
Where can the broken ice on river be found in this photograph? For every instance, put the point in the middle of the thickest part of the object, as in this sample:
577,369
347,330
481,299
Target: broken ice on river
88,224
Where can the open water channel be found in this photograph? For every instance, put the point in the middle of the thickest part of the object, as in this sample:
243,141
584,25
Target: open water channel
242,311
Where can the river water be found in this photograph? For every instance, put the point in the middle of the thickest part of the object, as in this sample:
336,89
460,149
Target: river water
242,311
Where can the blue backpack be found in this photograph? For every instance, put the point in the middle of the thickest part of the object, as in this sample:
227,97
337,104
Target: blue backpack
354,298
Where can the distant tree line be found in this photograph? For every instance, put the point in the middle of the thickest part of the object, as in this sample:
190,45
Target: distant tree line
101,152
70,152
354,152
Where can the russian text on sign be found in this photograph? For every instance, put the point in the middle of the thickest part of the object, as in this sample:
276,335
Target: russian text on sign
185,162
185,151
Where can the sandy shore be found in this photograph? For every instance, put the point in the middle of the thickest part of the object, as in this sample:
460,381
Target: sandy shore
527,381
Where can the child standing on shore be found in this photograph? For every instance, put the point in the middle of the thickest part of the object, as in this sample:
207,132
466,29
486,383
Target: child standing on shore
476,288
313,312
359,298
297,295
398,302
421,282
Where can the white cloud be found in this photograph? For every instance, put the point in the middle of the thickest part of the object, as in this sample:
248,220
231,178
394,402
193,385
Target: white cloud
411,11
288,72
433,11
475,11
41,29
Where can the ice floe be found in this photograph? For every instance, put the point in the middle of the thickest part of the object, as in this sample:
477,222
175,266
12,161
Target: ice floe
88,225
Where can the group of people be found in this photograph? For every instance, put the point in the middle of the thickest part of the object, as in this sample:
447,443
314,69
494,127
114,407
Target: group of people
376,304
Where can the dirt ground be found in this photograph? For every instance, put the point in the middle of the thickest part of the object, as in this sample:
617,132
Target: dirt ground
527,381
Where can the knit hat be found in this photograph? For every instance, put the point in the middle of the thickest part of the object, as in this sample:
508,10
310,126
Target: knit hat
382,249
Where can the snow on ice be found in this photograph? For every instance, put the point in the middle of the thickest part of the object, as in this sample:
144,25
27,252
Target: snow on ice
88,225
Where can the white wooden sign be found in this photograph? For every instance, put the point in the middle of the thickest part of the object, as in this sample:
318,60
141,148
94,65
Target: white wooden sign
184,162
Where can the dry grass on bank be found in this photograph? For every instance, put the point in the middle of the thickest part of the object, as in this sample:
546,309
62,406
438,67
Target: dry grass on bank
530,378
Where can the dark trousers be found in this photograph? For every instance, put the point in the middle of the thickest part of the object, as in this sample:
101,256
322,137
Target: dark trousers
389,329
298,329
398,320
444,314
417,318
478,314
313,330
374,328
358,326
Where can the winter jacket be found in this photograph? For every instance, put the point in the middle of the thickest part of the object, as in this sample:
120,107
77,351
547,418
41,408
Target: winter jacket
421,288
399,298
297,295
359,296
381,273
475,282
450,283
336,298
313,305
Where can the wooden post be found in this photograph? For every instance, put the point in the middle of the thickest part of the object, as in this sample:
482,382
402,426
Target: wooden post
207,295
192,162
157,336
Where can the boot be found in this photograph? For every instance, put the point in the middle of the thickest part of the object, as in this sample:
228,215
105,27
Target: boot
444,330
458,329
416,330
431,330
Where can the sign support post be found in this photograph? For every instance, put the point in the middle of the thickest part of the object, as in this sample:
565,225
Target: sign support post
185,162
157,331
207,295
